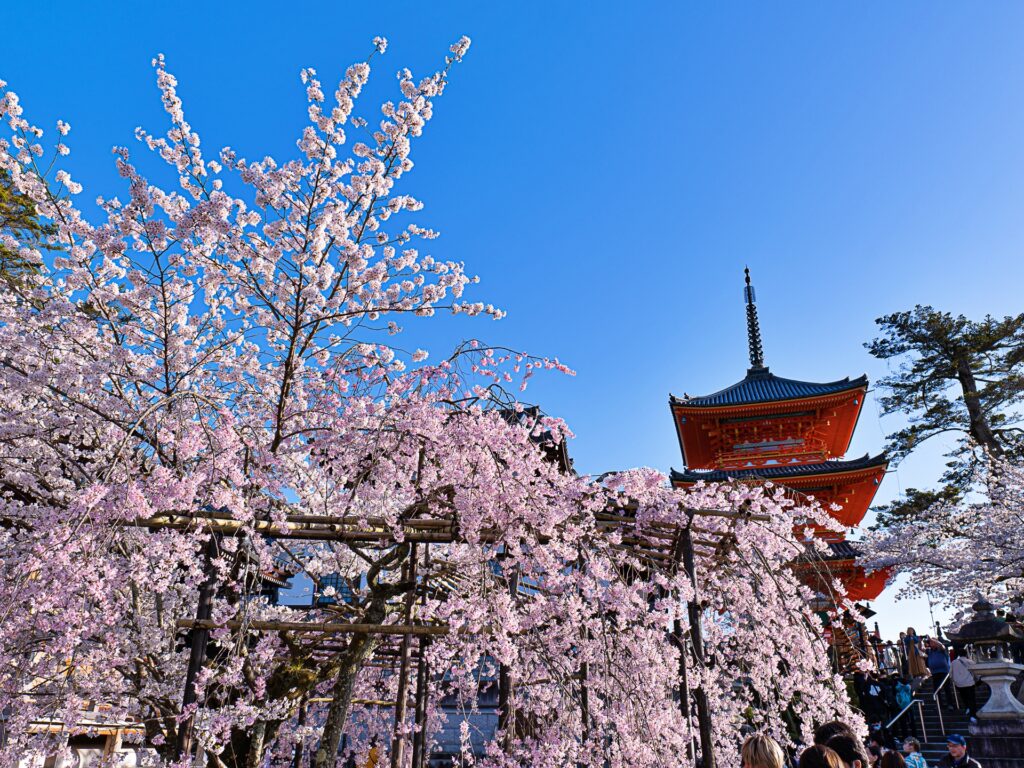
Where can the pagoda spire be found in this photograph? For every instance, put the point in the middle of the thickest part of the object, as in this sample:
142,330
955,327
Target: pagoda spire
753,327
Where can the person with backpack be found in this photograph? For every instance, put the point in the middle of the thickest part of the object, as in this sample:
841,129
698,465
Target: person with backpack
904,697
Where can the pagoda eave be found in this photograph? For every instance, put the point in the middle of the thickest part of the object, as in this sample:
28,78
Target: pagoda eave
857,582
764,407
760,386
849,485
839,563
787,474
735,435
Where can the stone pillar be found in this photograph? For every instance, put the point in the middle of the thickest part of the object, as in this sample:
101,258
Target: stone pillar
999,675
997,738
998,743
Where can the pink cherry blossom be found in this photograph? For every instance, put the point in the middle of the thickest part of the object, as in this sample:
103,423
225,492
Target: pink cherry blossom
195,381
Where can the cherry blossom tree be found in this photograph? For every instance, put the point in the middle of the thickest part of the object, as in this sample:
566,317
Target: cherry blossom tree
957,550
199,388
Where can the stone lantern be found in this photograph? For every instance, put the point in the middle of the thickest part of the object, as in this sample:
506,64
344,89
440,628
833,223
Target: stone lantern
998,736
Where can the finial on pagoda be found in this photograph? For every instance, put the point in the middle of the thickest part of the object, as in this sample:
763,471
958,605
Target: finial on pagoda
753,327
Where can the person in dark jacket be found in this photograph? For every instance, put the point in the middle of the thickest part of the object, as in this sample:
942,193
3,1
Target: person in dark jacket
938,665
873,701
957,757
892,708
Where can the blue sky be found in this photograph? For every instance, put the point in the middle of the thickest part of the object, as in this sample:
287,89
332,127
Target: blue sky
608,170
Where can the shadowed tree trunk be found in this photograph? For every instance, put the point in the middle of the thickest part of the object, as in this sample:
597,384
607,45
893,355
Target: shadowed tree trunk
341,694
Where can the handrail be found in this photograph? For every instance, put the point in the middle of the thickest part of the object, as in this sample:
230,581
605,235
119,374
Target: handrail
935,697
920,715
900,714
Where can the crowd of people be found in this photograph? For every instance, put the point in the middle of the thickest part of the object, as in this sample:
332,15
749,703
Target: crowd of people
927,658
836,745
925,664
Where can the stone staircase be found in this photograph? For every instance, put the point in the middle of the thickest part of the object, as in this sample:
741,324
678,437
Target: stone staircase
934,746
933,741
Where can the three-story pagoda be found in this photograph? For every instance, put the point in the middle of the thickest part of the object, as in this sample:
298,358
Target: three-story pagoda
793,433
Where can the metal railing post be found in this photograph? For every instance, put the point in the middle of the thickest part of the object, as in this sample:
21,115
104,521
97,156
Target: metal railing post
938,707
920,713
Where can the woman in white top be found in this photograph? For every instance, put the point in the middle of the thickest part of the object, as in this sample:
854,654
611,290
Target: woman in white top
962,671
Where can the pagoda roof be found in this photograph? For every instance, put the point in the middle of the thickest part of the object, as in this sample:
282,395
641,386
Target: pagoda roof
762,386
842,550
780,471
835,551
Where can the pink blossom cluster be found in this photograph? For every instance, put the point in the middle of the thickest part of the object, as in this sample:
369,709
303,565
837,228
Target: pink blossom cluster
218,353
955,552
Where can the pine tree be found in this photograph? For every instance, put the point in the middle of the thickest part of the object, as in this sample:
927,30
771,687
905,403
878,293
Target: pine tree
20,228
955,377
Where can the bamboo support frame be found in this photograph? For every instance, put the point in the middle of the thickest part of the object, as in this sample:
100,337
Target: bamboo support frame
314,626
656,545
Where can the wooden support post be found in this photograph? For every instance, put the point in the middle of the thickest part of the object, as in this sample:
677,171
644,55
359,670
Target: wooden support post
422,699
111,746
506,694
585,701
419,737
697,640
197,650
297,757
402,700
685,707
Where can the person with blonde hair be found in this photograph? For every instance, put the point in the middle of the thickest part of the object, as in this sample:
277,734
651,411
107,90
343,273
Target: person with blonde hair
761,751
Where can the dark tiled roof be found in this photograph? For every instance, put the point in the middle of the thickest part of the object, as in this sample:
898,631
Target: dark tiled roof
836,550
779,471
554,450
841,550
762,386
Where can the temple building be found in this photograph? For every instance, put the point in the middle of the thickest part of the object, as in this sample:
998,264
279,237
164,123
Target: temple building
794,434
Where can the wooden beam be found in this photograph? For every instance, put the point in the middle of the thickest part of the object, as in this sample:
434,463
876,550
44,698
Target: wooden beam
313,626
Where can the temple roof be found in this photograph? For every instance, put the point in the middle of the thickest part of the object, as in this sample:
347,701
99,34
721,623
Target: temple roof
760,385
780,471
554,450
836,551
842,550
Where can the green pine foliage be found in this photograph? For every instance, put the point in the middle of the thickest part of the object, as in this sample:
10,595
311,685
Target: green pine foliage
956,377
18,220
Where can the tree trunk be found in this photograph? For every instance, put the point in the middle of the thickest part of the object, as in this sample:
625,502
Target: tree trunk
341,699
255,756
979,426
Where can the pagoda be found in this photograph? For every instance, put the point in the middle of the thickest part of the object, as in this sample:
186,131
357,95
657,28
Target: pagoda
792,433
